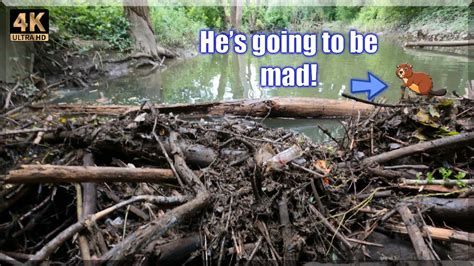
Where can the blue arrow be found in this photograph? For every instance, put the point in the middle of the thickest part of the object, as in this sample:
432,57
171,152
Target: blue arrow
374,86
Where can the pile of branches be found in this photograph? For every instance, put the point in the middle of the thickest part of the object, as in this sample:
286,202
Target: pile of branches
153,187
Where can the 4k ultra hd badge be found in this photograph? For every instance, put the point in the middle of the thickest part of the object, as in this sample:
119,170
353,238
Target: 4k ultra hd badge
29,25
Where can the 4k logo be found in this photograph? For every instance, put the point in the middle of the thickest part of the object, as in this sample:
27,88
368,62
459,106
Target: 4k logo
29,25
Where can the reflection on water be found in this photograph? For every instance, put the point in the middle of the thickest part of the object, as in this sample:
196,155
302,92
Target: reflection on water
225,77
309,127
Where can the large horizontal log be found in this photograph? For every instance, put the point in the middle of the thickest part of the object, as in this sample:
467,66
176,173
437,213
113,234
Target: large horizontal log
440,43
302,107
75,174
453,209
426,146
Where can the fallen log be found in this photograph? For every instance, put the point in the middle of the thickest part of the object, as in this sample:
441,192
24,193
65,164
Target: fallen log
426,146
440,43
176,250
29,174
453,209
301,107
103,144
437,233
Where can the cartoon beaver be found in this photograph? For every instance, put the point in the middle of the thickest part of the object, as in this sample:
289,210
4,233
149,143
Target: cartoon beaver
418,82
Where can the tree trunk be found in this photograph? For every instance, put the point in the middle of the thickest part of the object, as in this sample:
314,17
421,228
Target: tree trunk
236,14
142,32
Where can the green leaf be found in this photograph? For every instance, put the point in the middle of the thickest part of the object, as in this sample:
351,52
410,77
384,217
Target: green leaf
460,175
433,112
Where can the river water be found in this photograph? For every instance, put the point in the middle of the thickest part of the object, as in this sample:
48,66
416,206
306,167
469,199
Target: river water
206,78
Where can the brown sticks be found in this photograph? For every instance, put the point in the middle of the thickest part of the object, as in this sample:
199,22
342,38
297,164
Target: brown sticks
142,237
49,248
289,256
331,228
421,249
154,230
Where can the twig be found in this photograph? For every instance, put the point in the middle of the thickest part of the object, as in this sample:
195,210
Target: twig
83,243
28,130
318,199
9,260
286,232
9,95
133,209
221,254
318,175
407,166
364,242
444,182
163,150
396,140
325,131
263,229
331,228
374,103
421,249
254,251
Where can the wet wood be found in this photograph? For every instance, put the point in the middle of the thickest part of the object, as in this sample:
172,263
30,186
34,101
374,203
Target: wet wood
75,228
144,235
442,234
421,249
289,254
77,174
459,208
180,248
440,43
426,146
301,107
444,182
89,189
23,131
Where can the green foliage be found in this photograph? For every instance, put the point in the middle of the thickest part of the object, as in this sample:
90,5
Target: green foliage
276,18
344,13
213,17
445,173
93,23
439,19
178,26
459,177
418,175
429,177
173,27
